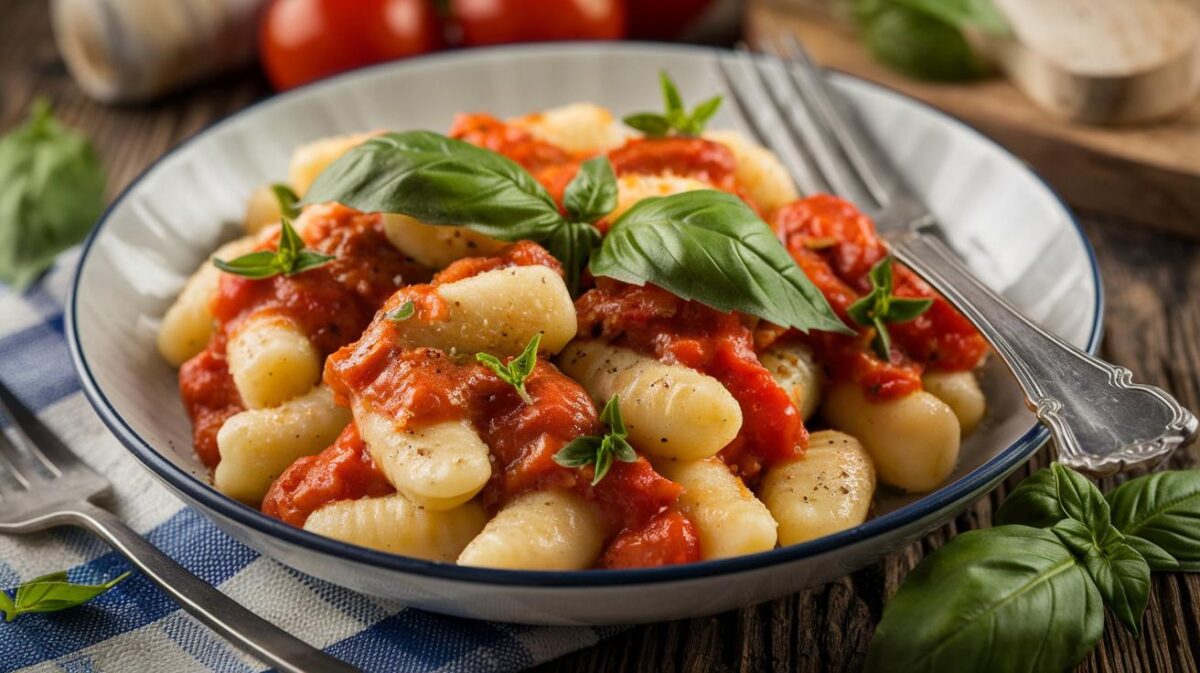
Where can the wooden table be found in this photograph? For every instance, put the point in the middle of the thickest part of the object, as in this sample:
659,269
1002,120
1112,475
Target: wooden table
1152,284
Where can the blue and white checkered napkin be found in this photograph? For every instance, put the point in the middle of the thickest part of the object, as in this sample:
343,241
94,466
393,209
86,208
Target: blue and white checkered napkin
135,627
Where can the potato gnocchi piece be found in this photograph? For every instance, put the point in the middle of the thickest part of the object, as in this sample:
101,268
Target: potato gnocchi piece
436,246
578,127
188,324
271,361
633,188
671,411
912,440
438,467
961,391
257,445
310,159
758,171
262,210
794,369
498,312
729,520
393,524
826,491
539,530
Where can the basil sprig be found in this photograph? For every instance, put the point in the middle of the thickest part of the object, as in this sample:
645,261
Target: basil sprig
675,117
518,369
880,307
51,593
600,451
702,245
289,259
1028,595
51,192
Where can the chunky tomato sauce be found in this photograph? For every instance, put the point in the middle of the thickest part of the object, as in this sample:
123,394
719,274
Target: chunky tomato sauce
423,386
653,321
331,304
836,246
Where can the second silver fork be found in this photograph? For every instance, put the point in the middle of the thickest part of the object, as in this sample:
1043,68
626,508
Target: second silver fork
1101,421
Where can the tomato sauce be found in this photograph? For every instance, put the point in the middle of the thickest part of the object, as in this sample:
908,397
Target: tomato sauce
344,471
836,246
651,320
331,304
423,386
695,158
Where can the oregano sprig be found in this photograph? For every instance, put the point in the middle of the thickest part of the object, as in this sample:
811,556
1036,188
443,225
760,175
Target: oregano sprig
880,307
518,369
289,259
675,117
600,451
51,593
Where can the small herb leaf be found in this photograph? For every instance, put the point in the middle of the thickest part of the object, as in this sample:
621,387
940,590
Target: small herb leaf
675,116
880,307
711,247
51,593
592,193
600,451
1011,598
289,259
289,203
1162,509
1053,494
402,313
518,369
261,264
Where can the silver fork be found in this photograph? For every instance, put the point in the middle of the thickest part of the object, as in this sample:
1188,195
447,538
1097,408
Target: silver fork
44,485
1101,421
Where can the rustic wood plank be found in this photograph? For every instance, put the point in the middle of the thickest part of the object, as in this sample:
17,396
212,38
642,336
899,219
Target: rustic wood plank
1153,327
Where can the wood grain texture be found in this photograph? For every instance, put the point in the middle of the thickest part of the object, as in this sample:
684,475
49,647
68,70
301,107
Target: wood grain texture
1152,282
1148,174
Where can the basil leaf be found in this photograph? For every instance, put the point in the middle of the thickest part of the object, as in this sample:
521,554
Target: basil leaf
705,111
51,192
653,125
1006,599
518,369
1119,571
440,180
592,193
1162,509
711,247
578,452
1053,494
1156,556
287,200
903,309
53,592
978,14
916,43
672,101
7,606
624,451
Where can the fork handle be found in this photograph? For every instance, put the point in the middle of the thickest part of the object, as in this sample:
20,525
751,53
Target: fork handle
222,614
1101,421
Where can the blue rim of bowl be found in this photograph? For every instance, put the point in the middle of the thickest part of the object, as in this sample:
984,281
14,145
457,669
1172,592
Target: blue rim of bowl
184,482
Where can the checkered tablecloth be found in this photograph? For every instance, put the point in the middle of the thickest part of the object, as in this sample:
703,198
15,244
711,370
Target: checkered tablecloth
135,628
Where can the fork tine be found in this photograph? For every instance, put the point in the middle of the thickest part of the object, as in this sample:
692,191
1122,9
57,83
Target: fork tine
747,92
838,116
29,433
808,122
10,456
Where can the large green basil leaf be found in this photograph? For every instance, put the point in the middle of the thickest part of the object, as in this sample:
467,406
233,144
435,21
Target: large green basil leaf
711,247
917,43
1051,495
1008,599
51,192
1118,570
1161,511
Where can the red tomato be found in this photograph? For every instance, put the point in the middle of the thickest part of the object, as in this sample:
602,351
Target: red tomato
498,21
663,19
303,40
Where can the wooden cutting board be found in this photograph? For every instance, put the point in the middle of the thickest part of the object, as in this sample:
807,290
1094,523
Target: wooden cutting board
1148,173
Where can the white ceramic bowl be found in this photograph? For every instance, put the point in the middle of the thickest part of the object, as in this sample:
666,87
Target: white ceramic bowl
1007,223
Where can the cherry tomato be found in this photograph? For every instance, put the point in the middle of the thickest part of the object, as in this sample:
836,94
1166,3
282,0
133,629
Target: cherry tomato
498,21
663,19
303,40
